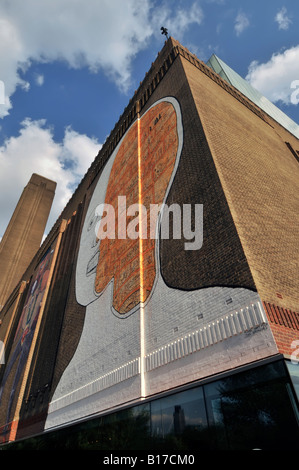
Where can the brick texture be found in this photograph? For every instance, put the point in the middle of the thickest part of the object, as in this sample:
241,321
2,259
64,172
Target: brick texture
260,178
221,260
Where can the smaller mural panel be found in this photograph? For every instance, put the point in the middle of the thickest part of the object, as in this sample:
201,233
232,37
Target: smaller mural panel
16,362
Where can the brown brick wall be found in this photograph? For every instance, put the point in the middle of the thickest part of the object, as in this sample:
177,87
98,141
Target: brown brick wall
59,334
284,325
259,176
221,260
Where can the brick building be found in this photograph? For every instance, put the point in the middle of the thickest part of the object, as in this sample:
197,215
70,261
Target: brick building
153,342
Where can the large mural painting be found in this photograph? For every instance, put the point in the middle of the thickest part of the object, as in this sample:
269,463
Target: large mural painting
133,317
22,343
116,274
140,174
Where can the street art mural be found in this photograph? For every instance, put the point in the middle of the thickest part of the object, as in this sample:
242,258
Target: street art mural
137,175
132,315
116,275
18,357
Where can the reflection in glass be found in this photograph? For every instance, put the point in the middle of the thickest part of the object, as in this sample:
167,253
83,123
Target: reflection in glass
293,368
179,420
255,409
252,410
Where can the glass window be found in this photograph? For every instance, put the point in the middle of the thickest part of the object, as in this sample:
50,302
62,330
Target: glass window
179,421
293,368
126,429
252,410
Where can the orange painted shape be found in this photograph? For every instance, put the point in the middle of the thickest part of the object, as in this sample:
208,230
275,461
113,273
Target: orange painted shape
148,151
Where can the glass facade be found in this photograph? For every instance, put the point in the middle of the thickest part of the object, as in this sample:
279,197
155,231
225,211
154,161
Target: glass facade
234,79
253,409
293,368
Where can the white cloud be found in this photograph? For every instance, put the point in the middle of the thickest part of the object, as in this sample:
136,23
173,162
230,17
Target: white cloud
97,34
39,79
35,151
179,22
282,19
274,78
241,23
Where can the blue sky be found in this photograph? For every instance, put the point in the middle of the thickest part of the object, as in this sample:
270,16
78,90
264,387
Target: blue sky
69,68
